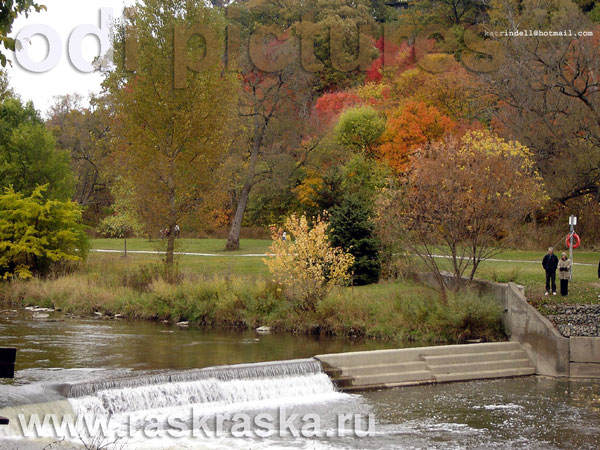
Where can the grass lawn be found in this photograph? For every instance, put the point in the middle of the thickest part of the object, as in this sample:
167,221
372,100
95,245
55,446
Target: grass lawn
579,256
584,288
247,246
205,265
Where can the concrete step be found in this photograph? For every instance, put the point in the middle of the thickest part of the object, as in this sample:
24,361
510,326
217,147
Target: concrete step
480,375
394,377
484,366
411,354
379,386
413,366
585,370
445,350
475,357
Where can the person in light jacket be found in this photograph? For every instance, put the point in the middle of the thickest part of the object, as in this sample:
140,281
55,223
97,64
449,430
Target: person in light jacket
564,274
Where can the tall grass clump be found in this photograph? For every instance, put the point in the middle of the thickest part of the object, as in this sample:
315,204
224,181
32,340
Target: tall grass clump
465,315
402,310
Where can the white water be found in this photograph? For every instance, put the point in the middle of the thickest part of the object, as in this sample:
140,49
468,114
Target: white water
209,393
154,399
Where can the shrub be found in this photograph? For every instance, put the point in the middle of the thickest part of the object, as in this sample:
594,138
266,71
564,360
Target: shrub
308,266
36,233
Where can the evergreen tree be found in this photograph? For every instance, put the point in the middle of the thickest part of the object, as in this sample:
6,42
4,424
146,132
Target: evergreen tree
351,228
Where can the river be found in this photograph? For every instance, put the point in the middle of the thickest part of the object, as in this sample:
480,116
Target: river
143,379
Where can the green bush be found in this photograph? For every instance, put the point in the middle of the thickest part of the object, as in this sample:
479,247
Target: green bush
36,233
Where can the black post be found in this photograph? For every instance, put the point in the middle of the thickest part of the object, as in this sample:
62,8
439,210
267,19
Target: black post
8,357
7,362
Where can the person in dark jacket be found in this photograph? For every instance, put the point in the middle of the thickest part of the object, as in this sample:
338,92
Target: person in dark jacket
550,263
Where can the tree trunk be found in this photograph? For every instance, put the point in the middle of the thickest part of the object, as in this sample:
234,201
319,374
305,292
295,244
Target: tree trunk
170,247
173,223
233,241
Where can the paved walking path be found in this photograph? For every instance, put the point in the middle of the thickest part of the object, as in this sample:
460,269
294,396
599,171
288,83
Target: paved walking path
150,252
258,255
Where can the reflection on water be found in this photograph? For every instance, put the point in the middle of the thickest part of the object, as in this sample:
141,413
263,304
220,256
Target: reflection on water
47,347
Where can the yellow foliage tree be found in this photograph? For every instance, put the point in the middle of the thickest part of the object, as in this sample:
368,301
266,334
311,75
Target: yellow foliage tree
307,265
466,197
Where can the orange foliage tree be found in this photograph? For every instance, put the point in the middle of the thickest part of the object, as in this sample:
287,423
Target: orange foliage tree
410,128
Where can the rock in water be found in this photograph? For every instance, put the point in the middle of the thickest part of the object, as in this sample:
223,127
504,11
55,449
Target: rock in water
40,316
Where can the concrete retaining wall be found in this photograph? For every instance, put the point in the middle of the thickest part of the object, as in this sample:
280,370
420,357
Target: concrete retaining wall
551,353
585,357
547,349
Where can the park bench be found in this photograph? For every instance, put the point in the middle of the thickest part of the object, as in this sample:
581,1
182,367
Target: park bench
8,357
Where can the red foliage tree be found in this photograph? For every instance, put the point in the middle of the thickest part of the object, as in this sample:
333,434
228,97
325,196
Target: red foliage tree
330,105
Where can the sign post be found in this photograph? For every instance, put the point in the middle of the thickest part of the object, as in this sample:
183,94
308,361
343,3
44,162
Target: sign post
572,223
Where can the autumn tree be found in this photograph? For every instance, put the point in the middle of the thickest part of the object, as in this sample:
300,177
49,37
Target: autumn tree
279,82
548,94
420,107
410,128
455,91
307,264
85,133
273,105
465,197
329,106
170,133
269,103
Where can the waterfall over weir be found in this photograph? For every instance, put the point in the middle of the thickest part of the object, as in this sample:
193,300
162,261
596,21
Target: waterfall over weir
210,387
224,373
